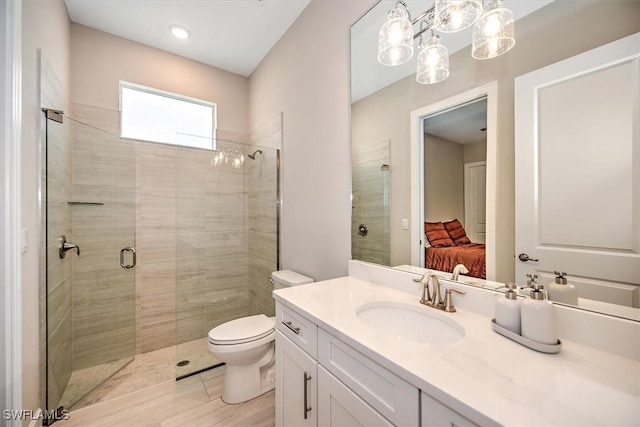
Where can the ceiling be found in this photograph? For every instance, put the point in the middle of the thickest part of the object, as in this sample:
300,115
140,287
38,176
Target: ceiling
233,35
369,76
462,124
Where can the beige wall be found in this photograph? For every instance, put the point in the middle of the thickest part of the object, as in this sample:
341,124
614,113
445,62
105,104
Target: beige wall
45,26
443,180
99,60
475,152
306,76
558,31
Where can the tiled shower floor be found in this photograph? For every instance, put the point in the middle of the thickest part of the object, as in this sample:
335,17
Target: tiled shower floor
144,370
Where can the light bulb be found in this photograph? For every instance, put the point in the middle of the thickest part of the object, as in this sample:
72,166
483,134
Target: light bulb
433,62
492,25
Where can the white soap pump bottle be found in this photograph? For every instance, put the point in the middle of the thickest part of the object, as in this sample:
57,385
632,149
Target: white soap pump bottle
561,291
538,317
508,309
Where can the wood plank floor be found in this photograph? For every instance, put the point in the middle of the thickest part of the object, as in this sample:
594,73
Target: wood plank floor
193,401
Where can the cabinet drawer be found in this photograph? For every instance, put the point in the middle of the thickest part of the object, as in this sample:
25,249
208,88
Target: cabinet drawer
435,414
297,328
391,396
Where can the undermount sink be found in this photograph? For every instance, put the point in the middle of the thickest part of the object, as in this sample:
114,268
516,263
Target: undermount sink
414,323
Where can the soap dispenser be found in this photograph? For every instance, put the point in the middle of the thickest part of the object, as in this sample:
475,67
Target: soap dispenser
561,291
539,317
508,310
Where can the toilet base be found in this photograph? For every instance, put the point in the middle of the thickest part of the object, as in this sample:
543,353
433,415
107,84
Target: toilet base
243,382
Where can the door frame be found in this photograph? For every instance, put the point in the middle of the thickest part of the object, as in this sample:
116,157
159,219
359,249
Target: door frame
10,220
490,90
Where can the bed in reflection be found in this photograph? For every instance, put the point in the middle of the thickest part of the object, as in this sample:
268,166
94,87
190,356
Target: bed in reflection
448,245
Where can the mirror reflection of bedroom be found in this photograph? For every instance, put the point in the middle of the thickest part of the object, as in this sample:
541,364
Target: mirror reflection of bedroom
455,154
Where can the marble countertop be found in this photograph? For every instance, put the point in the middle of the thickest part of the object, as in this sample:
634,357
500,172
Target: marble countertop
484,376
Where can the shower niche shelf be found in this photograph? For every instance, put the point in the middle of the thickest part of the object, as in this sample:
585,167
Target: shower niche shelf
77,203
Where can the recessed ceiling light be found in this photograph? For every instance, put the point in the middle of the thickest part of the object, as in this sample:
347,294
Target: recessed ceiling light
180,32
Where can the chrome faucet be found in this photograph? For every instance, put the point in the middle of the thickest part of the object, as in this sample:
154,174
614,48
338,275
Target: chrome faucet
459,268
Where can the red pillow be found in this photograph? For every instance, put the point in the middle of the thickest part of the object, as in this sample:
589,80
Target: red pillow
456,232
437,235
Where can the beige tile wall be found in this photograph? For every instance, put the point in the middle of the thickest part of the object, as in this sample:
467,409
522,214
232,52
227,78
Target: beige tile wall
370,189
103,304
204,234
211,256
262,184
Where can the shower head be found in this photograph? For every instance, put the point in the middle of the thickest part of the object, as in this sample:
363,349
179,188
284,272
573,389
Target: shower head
252,156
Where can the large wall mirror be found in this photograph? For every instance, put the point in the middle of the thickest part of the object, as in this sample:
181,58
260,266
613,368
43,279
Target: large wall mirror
448,153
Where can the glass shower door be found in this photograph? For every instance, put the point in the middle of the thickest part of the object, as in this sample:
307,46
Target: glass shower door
88,207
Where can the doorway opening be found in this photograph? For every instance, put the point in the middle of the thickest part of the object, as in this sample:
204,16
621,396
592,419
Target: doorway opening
453,177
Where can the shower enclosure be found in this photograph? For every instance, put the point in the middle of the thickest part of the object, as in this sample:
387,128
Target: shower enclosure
163,243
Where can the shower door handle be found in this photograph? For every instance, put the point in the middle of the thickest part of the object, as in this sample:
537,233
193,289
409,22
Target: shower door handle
122,251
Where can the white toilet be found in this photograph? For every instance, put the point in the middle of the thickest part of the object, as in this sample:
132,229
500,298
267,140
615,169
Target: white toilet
246,345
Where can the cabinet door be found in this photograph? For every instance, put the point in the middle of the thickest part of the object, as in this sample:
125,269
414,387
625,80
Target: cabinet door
339,406
296,385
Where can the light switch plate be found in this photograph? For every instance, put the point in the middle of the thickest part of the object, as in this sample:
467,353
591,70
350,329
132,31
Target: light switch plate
405,224
25,238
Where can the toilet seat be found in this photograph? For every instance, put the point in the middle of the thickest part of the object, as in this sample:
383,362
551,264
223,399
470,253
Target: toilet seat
243,330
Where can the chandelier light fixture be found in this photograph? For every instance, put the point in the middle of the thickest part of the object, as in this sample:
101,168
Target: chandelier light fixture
493,34
228,156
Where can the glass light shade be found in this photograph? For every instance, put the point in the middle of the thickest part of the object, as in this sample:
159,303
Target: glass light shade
433,62
494,33
456,15
395,40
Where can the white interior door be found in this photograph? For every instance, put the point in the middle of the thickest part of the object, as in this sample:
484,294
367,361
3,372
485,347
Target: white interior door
475,201
578,172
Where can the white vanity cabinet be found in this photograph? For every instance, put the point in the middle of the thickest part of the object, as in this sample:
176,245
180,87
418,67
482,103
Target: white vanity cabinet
321,381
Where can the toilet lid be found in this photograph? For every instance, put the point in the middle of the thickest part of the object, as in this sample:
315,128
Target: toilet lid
242,330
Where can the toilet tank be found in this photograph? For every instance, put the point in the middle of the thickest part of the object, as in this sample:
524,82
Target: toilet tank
285,278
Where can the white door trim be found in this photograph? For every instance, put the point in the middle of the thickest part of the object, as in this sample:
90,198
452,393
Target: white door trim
10,219
490,90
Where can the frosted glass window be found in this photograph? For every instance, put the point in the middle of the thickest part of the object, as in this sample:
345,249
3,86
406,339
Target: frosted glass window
153,115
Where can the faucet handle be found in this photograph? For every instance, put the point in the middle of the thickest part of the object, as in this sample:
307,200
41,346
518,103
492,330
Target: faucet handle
448,299
424,281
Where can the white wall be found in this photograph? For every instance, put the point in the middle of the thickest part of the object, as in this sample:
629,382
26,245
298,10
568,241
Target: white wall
306,76
45,26
100,60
